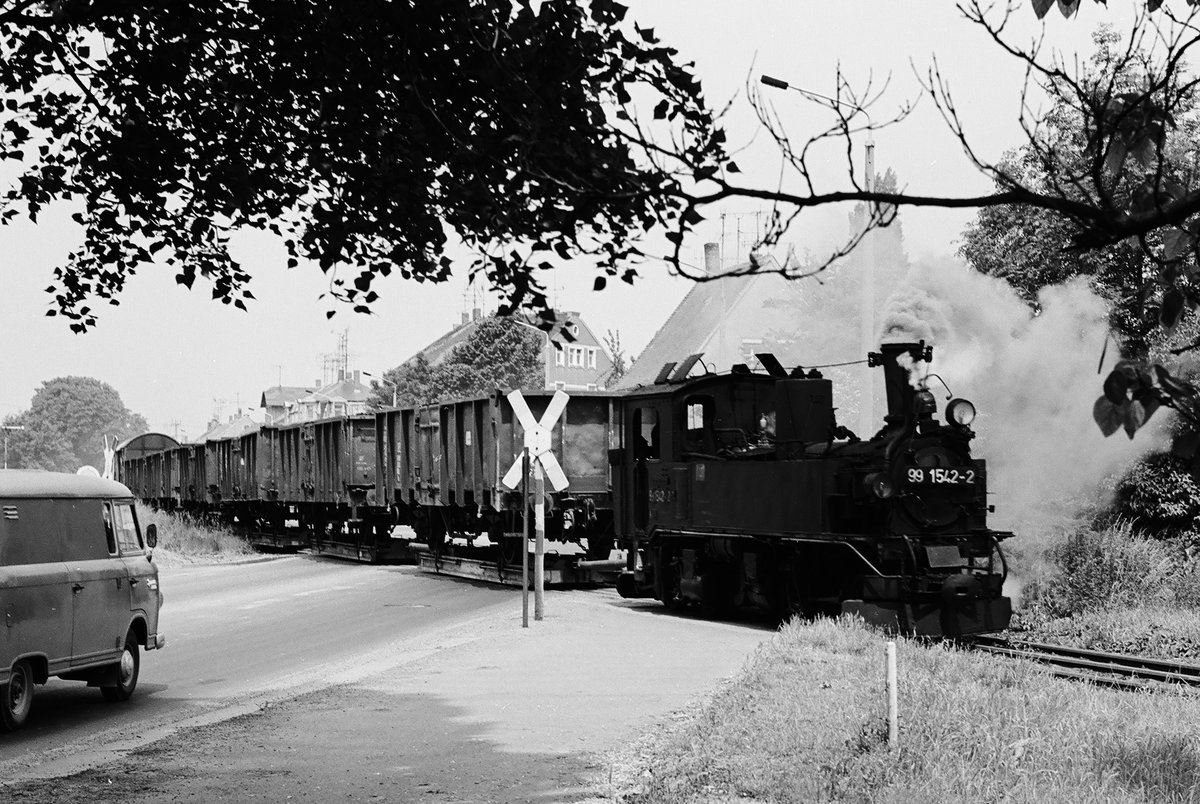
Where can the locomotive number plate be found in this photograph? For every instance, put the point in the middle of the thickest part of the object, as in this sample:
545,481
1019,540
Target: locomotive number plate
940,476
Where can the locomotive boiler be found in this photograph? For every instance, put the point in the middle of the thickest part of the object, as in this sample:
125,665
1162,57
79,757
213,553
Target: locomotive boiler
740,490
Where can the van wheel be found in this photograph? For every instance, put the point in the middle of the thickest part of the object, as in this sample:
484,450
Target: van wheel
17,697
127,672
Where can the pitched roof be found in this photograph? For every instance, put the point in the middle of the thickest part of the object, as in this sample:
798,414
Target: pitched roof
231,429
280,395
345,390
691,325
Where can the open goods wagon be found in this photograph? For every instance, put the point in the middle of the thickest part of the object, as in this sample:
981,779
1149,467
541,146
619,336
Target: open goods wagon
441,465
147,465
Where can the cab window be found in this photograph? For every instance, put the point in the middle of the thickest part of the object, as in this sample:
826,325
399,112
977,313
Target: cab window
646,433
698,423
125,527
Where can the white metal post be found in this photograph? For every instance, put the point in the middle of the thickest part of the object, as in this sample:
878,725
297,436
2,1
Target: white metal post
525,537
893,697
539,550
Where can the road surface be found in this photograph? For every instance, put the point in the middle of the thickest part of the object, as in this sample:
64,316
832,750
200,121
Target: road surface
239,636
311,680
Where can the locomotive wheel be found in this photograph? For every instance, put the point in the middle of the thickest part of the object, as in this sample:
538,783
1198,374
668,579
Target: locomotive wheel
717,591
127,672
600,544
16,697
666,578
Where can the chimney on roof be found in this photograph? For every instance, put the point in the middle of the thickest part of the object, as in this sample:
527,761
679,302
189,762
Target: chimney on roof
357,374
712,258
465,318
476,314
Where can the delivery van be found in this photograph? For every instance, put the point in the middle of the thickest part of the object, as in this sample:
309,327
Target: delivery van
78,589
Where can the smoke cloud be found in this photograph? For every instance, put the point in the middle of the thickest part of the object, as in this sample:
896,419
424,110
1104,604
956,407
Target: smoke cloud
1033,379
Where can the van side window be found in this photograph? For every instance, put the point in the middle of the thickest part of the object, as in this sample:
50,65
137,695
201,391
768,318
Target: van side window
108,531
125,525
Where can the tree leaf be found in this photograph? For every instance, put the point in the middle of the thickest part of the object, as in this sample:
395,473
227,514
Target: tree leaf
600,283
1171,309
1116,387
1114,159
1109,417
1040,7
1135,417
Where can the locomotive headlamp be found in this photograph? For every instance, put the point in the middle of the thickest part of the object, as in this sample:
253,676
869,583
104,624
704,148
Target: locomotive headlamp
960,412
881,485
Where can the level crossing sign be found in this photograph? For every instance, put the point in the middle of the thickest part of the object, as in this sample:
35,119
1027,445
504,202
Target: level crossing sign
537,440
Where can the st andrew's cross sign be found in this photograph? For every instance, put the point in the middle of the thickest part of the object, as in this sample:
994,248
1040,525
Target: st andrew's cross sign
537,439
537,452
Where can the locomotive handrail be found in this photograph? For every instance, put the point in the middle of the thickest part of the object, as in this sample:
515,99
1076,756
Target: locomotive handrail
998,552
809,538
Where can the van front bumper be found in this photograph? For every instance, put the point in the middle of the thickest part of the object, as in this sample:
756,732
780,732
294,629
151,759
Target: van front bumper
156,642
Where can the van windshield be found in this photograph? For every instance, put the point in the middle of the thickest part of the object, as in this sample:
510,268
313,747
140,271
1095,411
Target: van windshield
125,525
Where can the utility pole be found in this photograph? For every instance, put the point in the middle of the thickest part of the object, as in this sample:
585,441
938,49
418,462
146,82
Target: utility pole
6,428
866,414
866,420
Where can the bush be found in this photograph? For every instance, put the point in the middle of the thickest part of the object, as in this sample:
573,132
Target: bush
1159,497
1117,567
182,540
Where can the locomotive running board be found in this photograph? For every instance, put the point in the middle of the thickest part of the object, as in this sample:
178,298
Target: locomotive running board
560,570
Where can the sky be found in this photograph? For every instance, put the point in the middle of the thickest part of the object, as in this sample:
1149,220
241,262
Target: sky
179,358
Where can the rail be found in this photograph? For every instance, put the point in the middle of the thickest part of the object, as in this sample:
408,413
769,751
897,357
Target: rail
1097,667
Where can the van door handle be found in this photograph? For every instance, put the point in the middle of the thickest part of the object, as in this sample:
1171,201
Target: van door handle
77,588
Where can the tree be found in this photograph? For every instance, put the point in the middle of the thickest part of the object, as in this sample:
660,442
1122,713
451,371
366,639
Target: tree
66,423
499,353
1026,246
361,132
365,133
612,341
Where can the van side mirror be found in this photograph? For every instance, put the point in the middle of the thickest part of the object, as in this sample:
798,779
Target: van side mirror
152,535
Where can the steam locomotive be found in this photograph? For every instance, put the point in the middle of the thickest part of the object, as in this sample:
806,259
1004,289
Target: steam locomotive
741,490
725,490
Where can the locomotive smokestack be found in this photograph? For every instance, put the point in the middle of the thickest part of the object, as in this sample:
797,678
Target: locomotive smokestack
712,259
896,377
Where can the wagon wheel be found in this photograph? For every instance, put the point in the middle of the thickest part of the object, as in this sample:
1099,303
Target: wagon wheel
435,536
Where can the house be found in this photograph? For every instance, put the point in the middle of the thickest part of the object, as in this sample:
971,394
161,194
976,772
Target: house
277,400
727,320
573,358
348,396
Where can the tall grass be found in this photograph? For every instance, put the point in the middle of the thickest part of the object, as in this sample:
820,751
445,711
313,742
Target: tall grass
182,540
806,722
1115,588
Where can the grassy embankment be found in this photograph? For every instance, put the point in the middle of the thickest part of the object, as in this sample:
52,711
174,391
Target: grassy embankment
184,541
806,720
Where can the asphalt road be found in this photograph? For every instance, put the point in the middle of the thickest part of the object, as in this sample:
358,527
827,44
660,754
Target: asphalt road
240,636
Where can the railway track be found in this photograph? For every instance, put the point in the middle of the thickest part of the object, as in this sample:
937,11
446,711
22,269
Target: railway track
1096,667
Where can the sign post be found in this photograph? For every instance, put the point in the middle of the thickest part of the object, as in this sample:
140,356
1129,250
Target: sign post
538,456
525,538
